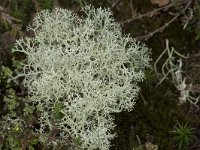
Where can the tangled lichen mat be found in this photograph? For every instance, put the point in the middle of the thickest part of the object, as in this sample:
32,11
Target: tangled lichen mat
78,71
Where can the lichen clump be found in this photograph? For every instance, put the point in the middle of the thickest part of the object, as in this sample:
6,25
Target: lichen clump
79,71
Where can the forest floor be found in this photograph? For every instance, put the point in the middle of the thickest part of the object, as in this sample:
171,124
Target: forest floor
159,110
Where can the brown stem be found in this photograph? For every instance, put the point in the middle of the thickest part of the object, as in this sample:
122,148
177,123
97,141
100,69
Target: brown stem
147,36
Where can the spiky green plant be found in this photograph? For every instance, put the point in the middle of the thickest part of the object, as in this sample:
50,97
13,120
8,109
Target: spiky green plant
182,135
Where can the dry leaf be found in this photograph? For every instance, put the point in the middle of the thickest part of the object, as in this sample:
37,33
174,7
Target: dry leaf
160,3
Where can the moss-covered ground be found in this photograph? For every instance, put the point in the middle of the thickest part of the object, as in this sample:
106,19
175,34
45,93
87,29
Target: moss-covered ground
157,110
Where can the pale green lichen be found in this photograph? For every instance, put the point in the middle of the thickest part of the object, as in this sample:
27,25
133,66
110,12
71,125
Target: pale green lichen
78,72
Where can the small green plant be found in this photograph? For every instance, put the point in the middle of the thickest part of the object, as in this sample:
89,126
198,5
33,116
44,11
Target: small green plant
182,135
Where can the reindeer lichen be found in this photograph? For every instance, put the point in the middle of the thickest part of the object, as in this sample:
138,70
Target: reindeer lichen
78,72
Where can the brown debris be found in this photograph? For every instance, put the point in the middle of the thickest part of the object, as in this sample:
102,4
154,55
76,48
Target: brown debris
160,3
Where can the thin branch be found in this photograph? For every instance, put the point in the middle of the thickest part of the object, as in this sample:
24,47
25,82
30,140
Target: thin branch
153,12
147,36
115,3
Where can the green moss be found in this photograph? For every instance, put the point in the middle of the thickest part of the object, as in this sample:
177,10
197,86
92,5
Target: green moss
57,111
11,128
12,144
5,72
28,109
11,101
32,143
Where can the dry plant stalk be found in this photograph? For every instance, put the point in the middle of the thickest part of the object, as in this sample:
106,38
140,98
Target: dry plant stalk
171,68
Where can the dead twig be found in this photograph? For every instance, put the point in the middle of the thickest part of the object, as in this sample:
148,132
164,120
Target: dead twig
115,3
153,12
147,36
139,141
6,18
